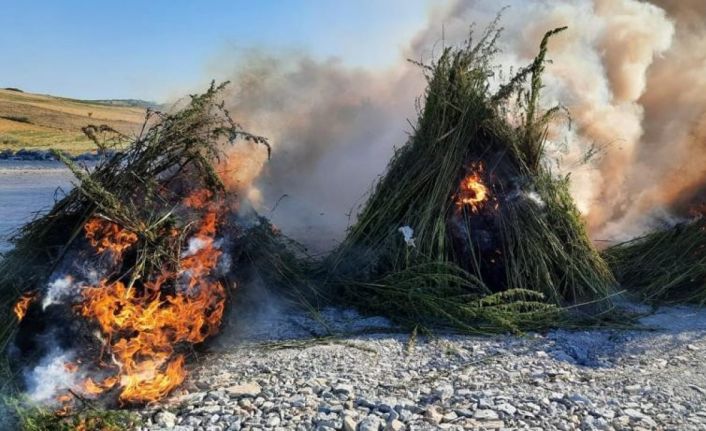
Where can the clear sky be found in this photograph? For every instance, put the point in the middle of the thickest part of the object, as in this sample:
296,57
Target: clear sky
149,49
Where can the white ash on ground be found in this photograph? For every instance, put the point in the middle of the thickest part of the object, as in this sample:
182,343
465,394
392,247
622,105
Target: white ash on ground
653,378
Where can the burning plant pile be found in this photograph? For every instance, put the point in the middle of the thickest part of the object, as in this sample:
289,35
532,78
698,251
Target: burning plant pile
468,228
664,266
116,284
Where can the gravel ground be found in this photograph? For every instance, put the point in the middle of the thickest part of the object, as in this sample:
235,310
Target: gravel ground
652,378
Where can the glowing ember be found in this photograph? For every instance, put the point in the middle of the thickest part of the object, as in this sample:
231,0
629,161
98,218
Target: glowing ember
473,193
142,323
20,308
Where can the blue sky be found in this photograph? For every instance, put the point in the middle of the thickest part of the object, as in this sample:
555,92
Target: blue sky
150,49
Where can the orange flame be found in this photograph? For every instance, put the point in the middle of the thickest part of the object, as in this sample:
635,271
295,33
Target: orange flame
144,326
473,192
20,308
105,236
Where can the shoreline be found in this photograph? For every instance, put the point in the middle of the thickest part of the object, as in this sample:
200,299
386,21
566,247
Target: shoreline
25,155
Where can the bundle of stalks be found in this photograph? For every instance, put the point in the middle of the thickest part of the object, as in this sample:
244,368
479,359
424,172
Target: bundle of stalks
664,266
505,255
282,266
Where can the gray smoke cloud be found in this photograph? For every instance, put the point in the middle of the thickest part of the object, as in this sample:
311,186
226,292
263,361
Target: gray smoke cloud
628,71
333,130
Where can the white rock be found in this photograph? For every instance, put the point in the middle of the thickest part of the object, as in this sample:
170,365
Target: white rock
444,391
349,424
506,408
165,419
247,390
273,421
485,414
433,415
634,414
370,423
394,425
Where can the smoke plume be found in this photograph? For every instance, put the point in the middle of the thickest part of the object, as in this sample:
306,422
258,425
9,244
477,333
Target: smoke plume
631,73
333,130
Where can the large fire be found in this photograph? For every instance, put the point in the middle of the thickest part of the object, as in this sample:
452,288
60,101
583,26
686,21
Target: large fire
144,322
473,193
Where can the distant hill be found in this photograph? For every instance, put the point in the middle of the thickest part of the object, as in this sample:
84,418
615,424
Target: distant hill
39,122
133,103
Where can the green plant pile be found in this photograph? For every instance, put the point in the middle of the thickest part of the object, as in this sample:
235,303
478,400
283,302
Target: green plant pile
542,259
664,266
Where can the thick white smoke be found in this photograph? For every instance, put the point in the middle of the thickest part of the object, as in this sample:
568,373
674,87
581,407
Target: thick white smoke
628,71
333,130
52,376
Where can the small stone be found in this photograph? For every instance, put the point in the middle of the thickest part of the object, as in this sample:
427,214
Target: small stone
365,403
604,413
485,414
632,389
370,423
344,389
634,414
450,417
485,403
394,425
621,421
506,408
578,399
405,415
433,415
247,390
349,424
466,413
273,421
600,424
165,419
444,391
193,421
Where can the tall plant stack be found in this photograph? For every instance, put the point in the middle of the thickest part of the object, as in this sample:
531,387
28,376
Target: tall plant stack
468,227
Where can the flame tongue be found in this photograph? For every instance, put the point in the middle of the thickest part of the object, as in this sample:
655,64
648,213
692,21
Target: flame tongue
20,308
473,193
145,323
105,236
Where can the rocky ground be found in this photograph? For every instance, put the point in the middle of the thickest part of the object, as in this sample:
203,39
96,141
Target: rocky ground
651,378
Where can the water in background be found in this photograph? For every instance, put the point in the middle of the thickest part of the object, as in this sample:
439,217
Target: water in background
28,187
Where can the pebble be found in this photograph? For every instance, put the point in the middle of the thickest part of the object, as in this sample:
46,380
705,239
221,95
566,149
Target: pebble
561,380
247,390
165,419
485,414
